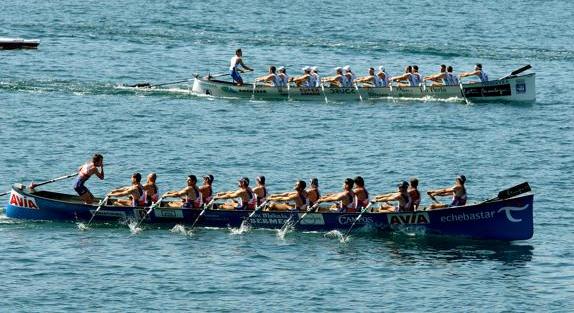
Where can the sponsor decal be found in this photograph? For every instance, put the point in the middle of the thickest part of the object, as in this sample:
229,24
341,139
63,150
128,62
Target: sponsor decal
264,218
312,219
520,86
415,218
227,89
342,91
508,209
21,201
168,213
350,219
310,91
465,217
110,213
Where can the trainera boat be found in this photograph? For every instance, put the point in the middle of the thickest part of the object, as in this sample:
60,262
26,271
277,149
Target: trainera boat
509,216
18,43
512,88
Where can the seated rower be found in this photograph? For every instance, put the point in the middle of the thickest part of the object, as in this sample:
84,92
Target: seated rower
291,201
207,188
245,196
260,190
150,189
271,79
401,196
384,77
304,80
339,80
452,80
283,77
406,79
414,194
458,192
416,77
134,192
346,198
84,173
361,193
477,72
316,77
351,77
190,196
439,79
313,193
371,80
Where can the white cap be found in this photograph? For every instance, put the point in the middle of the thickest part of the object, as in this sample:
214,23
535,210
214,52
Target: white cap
347,68
281,68
314,68
381,68
306,68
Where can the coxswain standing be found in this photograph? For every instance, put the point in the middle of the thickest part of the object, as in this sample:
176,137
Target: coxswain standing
84,173
404,201
245,196
235,62
190,196
134,192
477,72
290,201
458,192
207,188
346,198
304,80
271,79
150,189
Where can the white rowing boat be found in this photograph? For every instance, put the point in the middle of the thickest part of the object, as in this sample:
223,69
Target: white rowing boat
511,88
18,43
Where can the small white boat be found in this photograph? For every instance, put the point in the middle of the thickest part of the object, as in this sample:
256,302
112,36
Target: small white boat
18,43
510,88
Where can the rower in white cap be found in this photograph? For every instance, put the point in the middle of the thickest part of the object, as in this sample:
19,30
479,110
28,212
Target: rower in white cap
350,76
385,78
283,77
338,80
303,80
315,74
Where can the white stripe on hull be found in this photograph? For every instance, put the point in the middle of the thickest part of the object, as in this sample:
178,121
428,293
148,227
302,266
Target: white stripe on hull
520,88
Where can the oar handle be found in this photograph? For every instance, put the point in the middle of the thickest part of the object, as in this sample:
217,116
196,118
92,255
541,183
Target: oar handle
33,185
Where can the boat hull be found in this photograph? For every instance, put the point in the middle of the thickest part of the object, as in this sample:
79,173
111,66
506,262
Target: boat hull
518,88
18,43
510,219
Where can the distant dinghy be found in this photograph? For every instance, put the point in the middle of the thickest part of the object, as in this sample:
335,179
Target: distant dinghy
18,43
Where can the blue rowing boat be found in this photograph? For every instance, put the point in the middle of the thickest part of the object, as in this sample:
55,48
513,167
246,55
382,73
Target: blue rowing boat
507,217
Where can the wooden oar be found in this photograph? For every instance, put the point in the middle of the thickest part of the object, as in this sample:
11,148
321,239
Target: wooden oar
101,204
205,207
324,94
149,85
462,91
33,185
433,198
358,92
151,208
517,71
365,209
512,192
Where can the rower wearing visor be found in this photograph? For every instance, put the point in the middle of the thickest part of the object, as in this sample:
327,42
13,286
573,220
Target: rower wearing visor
283,77
477,72
339,80
305,80
458,192
316,77
234,70
246,199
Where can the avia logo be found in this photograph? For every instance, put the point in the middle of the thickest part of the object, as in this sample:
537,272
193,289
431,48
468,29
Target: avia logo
23,202
408,218
509,209
350,219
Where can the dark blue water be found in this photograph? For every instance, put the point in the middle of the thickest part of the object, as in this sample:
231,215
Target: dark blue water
62,103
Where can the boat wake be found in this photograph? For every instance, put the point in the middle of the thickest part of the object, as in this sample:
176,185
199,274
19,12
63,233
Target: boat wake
134,228
181,230
285,229
335,234
245,227
81,226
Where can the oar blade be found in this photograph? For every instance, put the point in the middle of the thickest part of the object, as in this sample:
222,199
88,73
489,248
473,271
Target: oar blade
514,191
520,70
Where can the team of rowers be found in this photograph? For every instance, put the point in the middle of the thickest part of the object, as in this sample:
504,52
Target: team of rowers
354,197
345,77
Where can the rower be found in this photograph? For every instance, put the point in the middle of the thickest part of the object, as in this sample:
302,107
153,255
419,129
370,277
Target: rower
283,77
346,203
414,194
384,77
416,77
406,77
361,193
207,188
84,173
370,79
246,198
134,192
235,62
440,79
313,193
458,192
304,80
260,190
477,72
401,196
190,196
339,80
349,74
150,189
291,201
316,77
452,79
271,79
